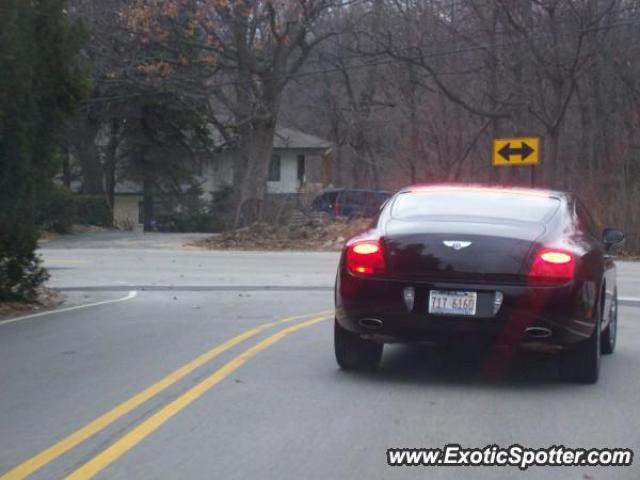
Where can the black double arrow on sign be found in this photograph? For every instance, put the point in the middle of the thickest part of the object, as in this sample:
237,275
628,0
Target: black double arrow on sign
507,152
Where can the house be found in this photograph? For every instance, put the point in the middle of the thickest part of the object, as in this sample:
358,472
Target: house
299,162
128,206
297,158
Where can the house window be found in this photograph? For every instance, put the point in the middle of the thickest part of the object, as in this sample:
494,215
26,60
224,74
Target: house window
301,170
274,169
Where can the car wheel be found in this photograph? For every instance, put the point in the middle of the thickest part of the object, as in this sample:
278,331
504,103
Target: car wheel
353,352
582,364
611,332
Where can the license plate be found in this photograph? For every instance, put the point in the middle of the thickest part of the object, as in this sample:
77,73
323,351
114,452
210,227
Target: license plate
452,303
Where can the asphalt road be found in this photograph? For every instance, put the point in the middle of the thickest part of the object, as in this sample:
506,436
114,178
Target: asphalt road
150,386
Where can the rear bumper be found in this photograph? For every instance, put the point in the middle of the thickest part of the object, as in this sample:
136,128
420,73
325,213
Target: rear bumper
566,311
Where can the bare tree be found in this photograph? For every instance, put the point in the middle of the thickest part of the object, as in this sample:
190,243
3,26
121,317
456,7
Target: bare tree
246,53
407,90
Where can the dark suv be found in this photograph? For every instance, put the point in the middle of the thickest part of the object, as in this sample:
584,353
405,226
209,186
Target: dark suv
349,202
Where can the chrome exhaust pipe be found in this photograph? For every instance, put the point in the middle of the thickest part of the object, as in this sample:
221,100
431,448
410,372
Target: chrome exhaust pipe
538,332
372,323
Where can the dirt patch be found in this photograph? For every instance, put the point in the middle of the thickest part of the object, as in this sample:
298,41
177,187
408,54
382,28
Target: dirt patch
47,298
77,229
626,256
316,234
47,236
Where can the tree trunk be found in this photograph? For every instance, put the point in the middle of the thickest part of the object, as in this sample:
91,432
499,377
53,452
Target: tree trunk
551,159
92,182
251,171
66,168
496,122
148,184
585,145
110,165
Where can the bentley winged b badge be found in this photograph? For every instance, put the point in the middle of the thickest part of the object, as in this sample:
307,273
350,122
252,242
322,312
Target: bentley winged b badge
456,244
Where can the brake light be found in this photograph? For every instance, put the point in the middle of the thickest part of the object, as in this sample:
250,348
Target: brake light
365,257
552,266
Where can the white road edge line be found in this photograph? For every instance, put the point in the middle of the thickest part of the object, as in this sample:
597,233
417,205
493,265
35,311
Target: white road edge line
132,294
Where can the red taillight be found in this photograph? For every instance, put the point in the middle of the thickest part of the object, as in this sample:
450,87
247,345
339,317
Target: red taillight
552,266
365,257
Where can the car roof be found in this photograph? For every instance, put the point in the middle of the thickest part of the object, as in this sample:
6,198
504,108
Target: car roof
484,188
331,190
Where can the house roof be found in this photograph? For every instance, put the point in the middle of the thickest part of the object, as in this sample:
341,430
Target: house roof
295,139
285,138
128,187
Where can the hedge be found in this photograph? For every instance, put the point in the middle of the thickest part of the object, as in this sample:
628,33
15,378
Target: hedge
65,208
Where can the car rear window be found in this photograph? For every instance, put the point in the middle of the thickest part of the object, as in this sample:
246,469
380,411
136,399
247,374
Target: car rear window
511,206
354,197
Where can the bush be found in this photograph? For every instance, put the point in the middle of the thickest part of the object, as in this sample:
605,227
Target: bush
190,213
185,222
37,94
92,210
221,209
62,208
20,269
58,211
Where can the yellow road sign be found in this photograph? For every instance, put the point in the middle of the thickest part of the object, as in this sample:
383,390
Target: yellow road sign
515,152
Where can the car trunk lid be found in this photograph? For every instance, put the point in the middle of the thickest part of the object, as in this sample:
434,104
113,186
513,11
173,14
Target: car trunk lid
459,251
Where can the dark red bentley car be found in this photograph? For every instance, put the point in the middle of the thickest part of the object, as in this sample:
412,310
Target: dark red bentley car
516,268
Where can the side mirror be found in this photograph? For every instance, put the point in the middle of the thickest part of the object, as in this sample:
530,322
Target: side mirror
612,236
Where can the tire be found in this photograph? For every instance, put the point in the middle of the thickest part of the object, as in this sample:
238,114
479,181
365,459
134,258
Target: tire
582,364
353,352
610,334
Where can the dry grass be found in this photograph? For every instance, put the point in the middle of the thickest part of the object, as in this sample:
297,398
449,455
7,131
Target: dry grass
47,298
316,234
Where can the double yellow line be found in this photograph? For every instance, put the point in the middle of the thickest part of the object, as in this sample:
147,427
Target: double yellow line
137,434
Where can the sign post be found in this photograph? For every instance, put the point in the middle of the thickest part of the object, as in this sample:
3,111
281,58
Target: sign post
516,152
